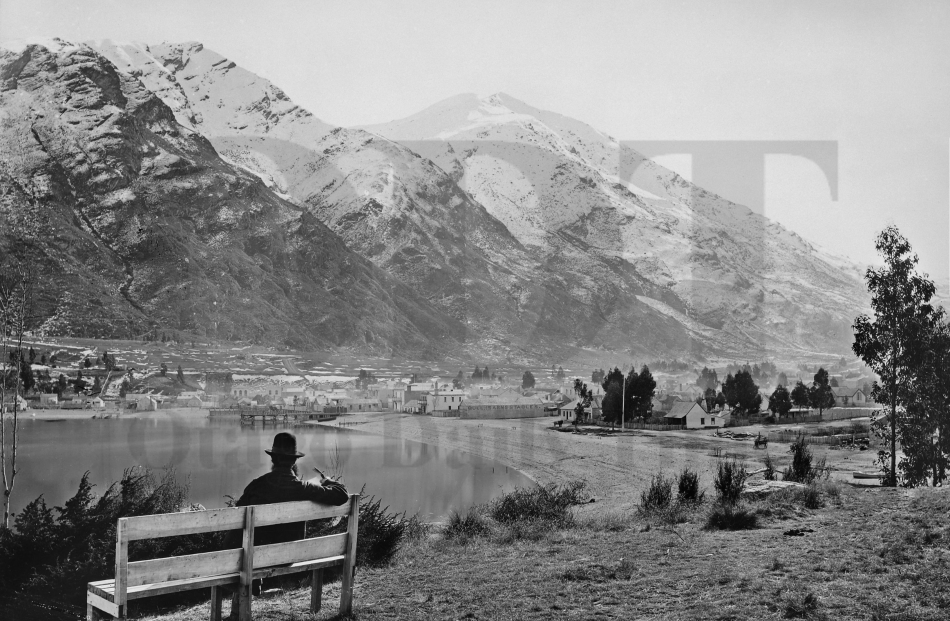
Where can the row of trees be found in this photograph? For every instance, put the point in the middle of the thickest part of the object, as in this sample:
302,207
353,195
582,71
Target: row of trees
627,396
818,396
482,374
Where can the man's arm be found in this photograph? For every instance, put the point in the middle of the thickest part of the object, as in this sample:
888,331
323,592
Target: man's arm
325,491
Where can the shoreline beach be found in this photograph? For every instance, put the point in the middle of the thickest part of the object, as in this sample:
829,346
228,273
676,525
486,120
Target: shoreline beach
615,466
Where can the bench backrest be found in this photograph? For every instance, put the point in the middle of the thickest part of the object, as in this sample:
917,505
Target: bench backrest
239,560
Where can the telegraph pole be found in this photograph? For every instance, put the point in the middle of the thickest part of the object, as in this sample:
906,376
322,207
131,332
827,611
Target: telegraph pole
623,398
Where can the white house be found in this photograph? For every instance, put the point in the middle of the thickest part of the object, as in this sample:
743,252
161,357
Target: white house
445,401
94,403
143,402
270,390
850,397
692,415
21,403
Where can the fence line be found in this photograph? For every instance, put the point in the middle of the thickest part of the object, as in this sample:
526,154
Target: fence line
646,426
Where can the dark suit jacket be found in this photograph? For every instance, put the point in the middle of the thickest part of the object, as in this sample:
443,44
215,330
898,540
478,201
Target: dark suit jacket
282,485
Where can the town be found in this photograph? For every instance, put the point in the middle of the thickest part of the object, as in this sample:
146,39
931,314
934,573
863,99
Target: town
662,395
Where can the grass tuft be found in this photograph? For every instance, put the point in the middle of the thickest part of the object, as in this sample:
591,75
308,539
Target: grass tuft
464,528
726,516
799,605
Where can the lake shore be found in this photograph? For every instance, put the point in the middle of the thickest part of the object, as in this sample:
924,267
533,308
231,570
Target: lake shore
615,466
111,413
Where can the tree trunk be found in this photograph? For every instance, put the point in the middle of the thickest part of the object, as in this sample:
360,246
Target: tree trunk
892,479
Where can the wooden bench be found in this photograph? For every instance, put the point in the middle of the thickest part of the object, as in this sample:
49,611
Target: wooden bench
239,566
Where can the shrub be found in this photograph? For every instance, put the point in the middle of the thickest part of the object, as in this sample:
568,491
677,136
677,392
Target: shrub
550,503
730,479
380,536
53,552
381,533
658,496
802,470
728,516
769,474
464,528
688,487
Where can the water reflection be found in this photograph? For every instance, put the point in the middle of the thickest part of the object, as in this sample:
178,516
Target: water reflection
219,457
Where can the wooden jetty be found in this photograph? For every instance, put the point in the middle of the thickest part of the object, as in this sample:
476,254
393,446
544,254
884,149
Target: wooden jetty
275,416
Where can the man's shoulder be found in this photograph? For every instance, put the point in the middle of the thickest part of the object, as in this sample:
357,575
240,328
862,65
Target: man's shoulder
257,490
264,479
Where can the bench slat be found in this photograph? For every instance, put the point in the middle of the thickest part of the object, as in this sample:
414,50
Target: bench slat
227,561
280,570
107,587
102,603
187,523
184,567
280,513
300,550
231,518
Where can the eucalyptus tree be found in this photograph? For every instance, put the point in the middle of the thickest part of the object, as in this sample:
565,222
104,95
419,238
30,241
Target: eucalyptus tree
894,341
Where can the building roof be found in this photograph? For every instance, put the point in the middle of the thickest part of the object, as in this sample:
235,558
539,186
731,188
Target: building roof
503,400
571,405
845,391
681,408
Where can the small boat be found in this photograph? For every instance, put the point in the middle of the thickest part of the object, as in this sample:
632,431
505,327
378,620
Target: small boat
866,475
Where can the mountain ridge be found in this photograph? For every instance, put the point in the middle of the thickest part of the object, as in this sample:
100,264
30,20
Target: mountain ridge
135,222
395,208
543,173
521,231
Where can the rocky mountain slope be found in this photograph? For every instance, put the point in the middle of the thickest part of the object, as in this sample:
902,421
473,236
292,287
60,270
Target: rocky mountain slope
181,189
404,213
134,221
731,276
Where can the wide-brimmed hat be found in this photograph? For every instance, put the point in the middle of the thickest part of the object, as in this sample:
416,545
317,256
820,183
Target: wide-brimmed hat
285,444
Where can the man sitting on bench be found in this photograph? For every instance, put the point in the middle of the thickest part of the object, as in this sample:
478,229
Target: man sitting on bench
282,484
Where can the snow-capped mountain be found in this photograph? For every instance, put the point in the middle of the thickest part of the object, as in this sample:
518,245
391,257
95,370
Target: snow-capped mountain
556,182
505,230
133,222
404,213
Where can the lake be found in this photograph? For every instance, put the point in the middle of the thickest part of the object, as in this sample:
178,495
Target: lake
219,457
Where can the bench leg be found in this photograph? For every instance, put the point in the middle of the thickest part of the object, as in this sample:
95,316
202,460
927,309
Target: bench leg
92,613
316,590
245,592
217,598
346,591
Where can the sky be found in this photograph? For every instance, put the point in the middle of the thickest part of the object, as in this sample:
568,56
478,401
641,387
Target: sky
871,79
